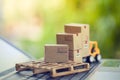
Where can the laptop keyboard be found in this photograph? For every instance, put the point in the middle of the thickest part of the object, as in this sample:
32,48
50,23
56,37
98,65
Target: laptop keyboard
28,75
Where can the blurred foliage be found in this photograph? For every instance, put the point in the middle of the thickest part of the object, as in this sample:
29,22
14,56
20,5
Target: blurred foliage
111,63
103,16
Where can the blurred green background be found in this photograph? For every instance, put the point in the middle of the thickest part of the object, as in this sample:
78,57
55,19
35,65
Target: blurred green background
30,24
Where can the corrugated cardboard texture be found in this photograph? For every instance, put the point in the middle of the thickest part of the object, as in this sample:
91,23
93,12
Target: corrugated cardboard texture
85,40
56,53
74,28
84,30
75,55
72,40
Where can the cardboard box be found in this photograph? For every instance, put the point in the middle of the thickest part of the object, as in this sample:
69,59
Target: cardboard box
76,55
76,28
84,30
56,53
72,40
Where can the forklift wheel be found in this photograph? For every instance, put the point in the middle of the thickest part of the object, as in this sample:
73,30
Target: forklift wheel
98,57
90,59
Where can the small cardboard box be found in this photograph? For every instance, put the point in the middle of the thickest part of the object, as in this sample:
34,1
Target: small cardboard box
56,53
76,28
72,40
69,28
75,55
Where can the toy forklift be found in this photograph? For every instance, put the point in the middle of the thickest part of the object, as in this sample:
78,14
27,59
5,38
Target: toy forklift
94,52
72,54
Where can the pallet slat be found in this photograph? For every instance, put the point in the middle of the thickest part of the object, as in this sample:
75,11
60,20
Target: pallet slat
56,69
69,70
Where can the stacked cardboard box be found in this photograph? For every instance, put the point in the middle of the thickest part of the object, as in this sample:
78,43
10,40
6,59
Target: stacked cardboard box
72,40
71,45
82,29
56,53
76,36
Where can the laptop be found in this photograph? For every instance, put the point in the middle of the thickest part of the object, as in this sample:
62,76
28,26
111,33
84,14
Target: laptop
109,70
10,55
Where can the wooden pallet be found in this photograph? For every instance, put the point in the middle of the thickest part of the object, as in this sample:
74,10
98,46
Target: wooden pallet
66,70
56,69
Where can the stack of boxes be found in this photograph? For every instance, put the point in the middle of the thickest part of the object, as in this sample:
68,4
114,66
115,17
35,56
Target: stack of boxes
75,40
76,36
72,40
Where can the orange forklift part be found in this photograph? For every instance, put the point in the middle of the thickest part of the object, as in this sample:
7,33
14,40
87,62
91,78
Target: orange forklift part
94,52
